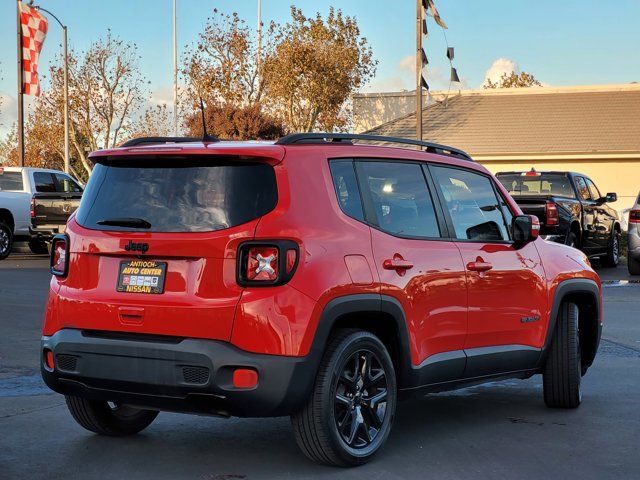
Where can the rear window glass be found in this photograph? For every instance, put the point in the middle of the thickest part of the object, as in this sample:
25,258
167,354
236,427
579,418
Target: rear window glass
11,181
555,184
176,195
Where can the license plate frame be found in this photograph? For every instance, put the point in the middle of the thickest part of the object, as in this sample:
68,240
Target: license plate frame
141,276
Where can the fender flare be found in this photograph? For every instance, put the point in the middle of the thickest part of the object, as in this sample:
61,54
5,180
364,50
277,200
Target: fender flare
363,304
565,288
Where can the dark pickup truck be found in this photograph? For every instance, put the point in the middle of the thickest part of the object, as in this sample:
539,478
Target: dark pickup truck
55,199
571,210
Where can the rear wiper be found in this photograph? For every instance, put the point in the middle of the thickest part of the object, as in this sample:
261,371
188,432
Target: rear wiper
125,222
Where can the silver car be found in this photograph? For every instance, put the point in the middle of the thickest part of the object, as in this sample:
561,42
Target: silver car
633,256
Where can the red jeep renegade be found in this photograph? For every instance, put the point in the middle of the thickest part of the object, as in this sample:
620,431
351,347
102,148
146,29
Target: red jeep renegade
317,277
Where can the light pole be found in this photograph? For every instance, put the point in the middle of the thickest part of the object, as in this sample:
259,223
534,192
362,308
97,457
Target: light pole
67,161
175,70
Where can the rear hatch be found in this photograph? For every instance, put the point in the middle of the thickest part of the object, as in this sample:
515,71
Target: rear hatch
153,244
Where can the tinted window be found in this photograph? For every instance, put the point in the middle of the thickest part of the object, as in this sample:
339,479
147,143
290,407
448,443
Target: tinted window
11,181
346,185
582,188
475,210
400,198
556,184
44,182
595,193
178,195
66,184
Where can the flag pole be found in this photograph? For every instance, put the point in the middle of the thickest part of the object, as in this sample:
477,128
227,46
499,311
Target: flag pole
419,70
20,90
175,71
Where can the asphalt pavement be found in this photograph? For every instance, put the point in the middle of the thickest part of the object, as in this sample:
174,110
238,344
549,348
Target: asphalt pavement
498,430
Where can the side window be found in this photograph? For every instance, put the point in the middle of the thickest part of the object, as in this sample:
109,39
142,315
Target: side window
595,193
346,185
11,181
66,184
583,190
400,198
475,210
44,182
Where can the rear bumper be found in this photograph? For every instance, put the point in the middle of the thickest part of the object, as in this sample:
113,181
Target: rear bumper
174,374
46,232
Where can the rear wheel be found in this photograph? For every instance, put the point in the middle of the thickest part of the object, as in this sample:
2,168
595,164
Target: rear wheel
6,240
108,418
351,410
633,265
612,257
563,369
572,240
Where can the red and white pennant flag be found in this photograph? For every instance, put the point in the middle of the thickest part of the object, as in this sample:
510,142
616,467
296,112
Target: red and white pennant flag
34,31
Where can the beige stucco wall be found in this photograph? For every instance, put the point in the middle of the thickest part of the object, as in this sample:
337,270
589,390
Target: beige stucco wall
611,175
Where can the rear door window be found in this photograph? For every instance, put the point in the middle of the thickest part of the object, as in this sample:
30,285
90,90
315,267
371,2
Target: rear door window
582,188
177,194
400,197
475,210
11,181
44,182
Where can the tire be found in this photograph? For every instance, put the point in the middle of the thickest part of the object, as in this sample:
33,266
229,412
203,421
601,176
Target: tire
563,369
6,240
571,240
38,247
612,257
342,395
105,418
633,265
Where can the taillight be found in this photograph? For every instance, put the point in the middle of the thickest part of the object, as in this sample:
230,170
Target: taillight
59,260
552,214
32,210
634,216
267,263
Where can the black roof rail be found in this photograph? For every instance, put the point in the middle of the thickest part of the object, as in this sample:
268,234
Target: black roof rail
342,138
134,142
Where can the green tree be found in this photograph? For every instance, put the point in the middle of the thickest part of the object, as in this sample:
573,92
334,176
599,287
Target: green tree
513,80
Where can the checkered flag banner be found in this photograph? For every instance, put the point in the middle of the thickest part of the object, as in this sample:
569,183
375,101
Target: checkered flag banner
34,31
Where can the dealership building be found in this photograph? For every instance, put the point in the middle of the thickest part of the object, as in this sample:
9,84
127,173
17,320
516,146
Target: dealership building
594,130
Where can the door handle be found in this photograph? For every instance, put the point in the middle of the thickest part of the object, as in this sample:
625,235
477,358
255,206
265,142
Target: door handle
396,264
479,266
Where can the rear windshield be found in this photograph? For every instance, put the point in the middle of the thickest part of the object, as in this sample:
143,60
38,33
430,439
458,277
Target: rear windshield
11,181
556,184
176,195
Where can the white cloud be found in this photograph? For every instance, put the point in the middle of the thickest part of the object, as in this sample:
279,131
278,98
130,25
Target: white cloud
498,68
408,63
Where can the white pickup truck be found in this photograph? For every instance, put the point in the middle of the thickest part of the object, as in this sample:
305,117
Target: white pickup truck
34,205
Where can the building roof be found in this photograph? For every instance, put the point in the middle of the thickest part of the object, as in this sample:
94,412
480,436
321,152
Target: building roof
536,120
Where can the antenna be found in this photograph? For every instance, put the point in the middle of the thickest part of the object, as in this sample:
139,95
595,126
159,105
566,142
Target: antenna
205,136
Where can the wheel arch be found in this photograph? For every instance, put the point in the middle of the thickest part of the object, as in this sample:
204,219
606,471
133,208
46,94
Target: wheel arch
380,315
576,229
585,293
7,217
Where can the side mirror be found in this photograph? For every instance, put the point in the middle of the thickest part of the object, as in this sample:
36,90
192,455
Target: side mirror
610,197
525,228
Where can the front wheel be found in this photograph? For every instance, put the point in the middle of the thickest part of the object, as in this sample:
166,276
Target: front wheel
6,240
351,410
108,418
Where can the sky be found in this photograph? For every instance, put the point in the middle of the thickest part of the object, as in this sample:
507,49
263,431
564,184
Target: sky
568,42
